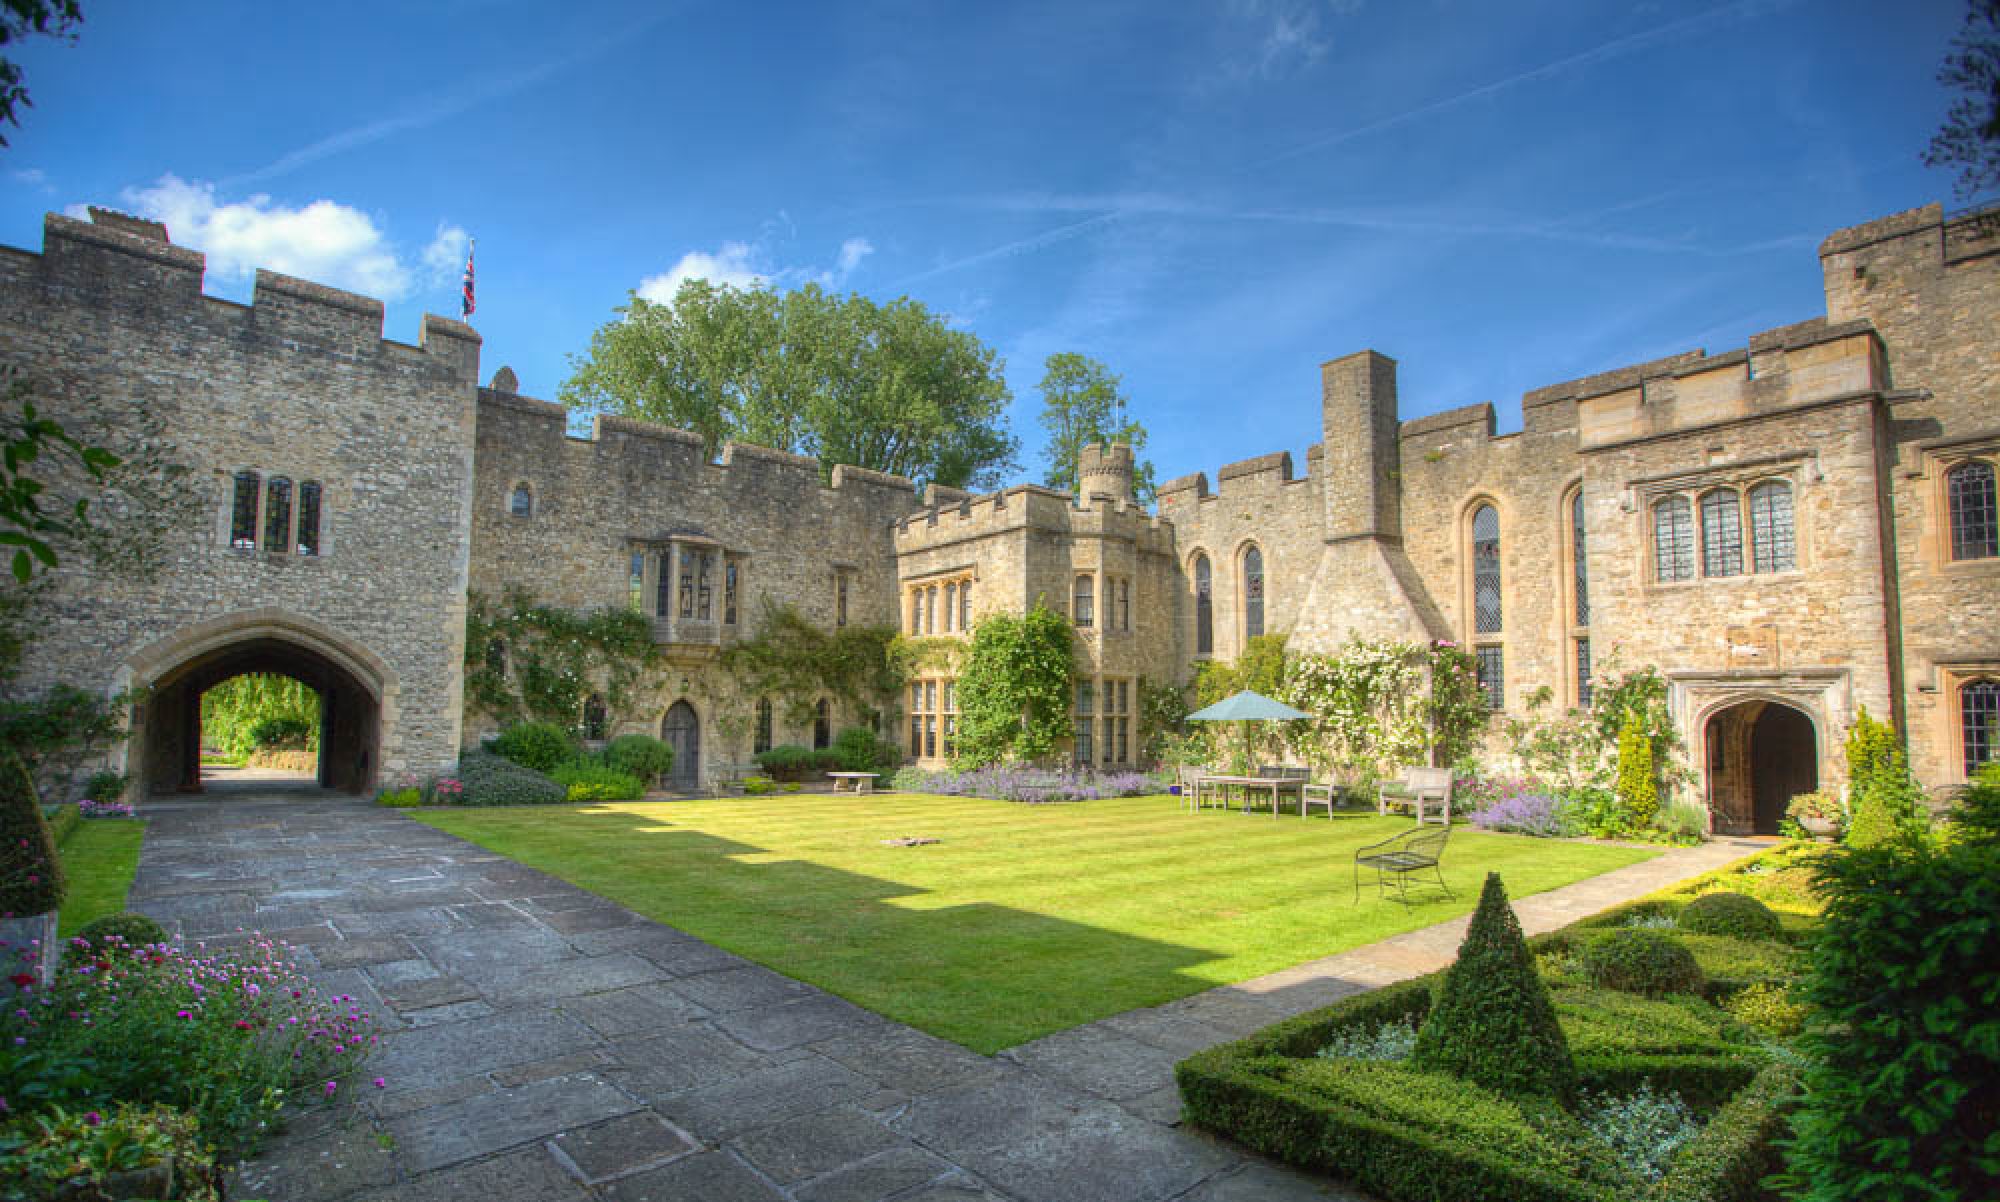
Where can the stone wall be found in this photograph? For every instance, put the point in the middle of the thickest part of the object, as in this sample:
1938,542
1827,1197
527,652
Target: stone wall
109,323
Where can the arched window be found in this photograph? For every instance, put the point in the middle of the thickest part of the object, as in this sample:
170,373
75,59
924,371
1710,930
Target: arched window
930,610
1721,533
916,611
1579,572
243,512
761,741
1082,596
522,503
1772,546
309,495
823,724
1673,539
950,606
1974,511
1204,607
965,606
1486,611
1979,721
595,720
729,587
1253,593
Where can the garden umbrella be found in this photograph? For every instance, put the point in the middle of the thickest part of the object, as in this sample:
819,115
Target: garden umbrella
1247,707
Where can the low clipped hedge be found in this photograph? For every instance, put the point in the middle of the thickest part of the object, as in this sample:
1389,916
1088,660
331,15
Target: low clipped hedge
1640,961
1736,915
491,780
587,780
793,761
63,821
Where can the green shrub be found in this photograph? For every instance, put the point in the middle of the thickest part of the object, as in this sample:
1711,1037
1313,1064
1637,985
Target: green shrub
284,732
129,1153
757,786
861,750
790,761
1640,961
1903,1082
1730,964
1884,803
642,756
586,780
1731,914
537,745
1683,821
105,786
1601,1022
490,780
63,821
1769,1008
136,930
1738,1148
1638,776
400,799
1493,1022
31,873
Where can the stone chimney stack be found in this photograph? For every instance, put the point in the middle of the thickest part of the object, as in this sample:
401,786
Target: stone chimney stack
1104,470
1358,416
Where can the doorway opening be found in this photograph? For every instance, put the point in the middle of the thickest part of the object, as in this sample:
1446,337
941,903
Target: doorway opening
1761,754
260,726
681,730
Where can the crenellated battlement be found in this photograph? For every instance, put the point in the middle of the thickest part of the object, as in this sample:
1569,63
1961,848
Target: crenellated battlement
1029,507
116,262
1264,477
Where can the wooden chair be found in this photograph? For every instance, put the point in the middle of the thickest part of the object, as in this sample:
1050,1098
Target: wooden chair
1192,777
1421,789
1398,856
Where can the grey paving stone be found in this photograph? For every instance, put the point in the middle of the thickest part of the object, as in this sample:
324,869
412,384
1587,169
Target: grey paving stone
648,939
603,917
429,992
697,960
355,925
571,978
468,1129
620,1013
386,1104
357,953
387,899
1178,1034
432,1055
710,1177
807,1020
622,1146
891,1172
758,1099
319,1168
456,1012
488,916
396,972
525,1175
1100,1060
494,955
909,1060
682,1059
559,1066
741,988
1258,1182
815,1144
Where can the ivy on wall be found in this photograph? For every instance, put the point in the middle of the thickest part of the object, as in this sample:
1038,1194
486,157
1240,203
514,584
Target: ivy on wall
1014,689
798,663
528,661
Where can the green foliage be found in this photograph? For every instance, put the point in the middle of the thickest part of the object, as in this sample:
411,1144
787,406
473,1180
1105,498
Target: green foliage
642,756
587,780
1259,669
492,780
859,749
1738,1148
1884,800
795,761
105,786
1729,964
1640,961
285,734
31,873
1376,706
136,930
1082,404
1770,1008
18,19
1638,781
884,386
62,820
1458,712
232,710
1969,139
549,659
1732,914
31,519
406,797
537,745
87,1155
1903,1081
1163,711
1014,690
56,734
798,663
1493,1022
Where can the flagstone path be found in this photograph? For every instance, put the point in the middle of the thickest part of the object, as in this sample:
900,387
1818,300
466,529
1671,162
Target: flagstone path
548,1044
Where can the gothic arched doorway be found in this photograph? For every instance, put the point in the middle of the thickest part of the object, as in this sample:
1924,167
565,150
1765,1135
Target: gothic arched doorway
682,731
1760,754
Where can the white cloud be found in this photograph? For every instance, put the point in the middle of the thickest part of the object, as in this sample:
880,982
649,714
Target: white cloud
323,241
747,265
444,258
32,177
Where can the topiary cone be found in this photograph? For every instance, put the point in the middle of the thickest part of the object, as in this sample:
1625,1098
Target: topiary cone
31,875
1492,1022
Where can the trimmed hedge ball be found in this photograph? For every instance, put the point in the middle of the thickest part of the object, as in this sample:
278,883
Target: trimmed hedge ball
1732,914
1636,960
135,929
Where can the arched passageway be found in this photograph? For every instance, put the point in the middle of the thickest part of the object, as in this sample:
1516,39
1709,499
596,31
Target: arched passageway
681,730
1761,754
167,724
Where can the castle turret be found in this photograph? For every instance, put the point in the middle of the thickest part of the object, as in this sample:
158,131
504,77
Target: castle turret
1104,470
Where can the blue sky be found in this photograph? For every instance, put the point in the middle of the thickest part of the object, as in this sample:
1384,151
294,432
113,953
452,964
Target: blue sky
1212,198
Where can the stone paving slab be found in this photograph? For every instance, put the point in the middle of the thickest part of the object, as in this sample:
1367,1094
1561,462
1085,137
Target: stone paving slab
543,1043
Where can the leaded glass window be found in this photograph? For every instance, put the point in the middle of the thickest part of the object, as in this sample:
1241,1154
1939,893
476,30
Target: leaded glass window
1583,672
1579,572
950,606
1492,676
730,576
704,591
663,589
930,610
595,719
243,512
635,584
1979,714
1125,603
687,583
522,503
1486,613
1204,607
822,725
1253,593
308,538
1673,539
761,741
1772,546
1721,533
1974,511
1082,603
916,611
965,606
278,514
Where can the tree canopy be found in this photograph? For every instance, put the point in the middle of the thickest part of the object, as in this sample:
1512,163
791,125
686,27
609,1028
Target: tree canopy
1081,404
889,386
1969,140
18,20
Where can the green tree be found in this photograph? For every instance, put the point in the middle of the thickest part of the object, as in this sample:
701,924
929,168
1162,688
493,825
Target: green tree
1638,778
1969,140
18,20
1081,404
31,873
884,386
1014,689
1884,803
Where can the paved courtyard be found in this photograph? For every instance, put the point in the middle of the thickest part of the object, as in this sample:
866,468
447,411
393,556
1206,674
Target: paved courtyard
547,1044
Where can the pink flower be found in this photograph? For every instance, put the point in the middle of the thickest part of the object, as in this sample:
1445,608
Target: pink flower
381,1082
183,1014
91,1118
331,1086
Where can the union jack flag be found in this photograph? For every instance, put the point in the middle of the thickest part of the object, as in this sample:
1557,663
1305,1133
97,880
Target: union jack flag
471,305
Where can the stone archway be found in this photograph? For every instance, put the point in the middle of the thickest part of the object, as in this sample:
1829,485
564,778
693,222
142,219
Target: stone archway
1760,754
353,686
681,730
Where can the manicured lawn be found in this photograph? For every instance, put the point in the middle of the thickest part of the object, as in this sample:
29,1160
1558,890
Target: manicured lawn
1025,919
100,858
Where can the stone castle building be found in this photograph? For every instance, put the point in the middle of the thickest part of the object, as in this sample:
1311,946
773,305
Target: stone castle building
1790,531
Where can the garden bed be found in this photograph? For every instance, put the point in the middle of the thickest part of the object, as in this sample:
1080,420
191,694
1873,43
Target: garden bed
1331,1091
